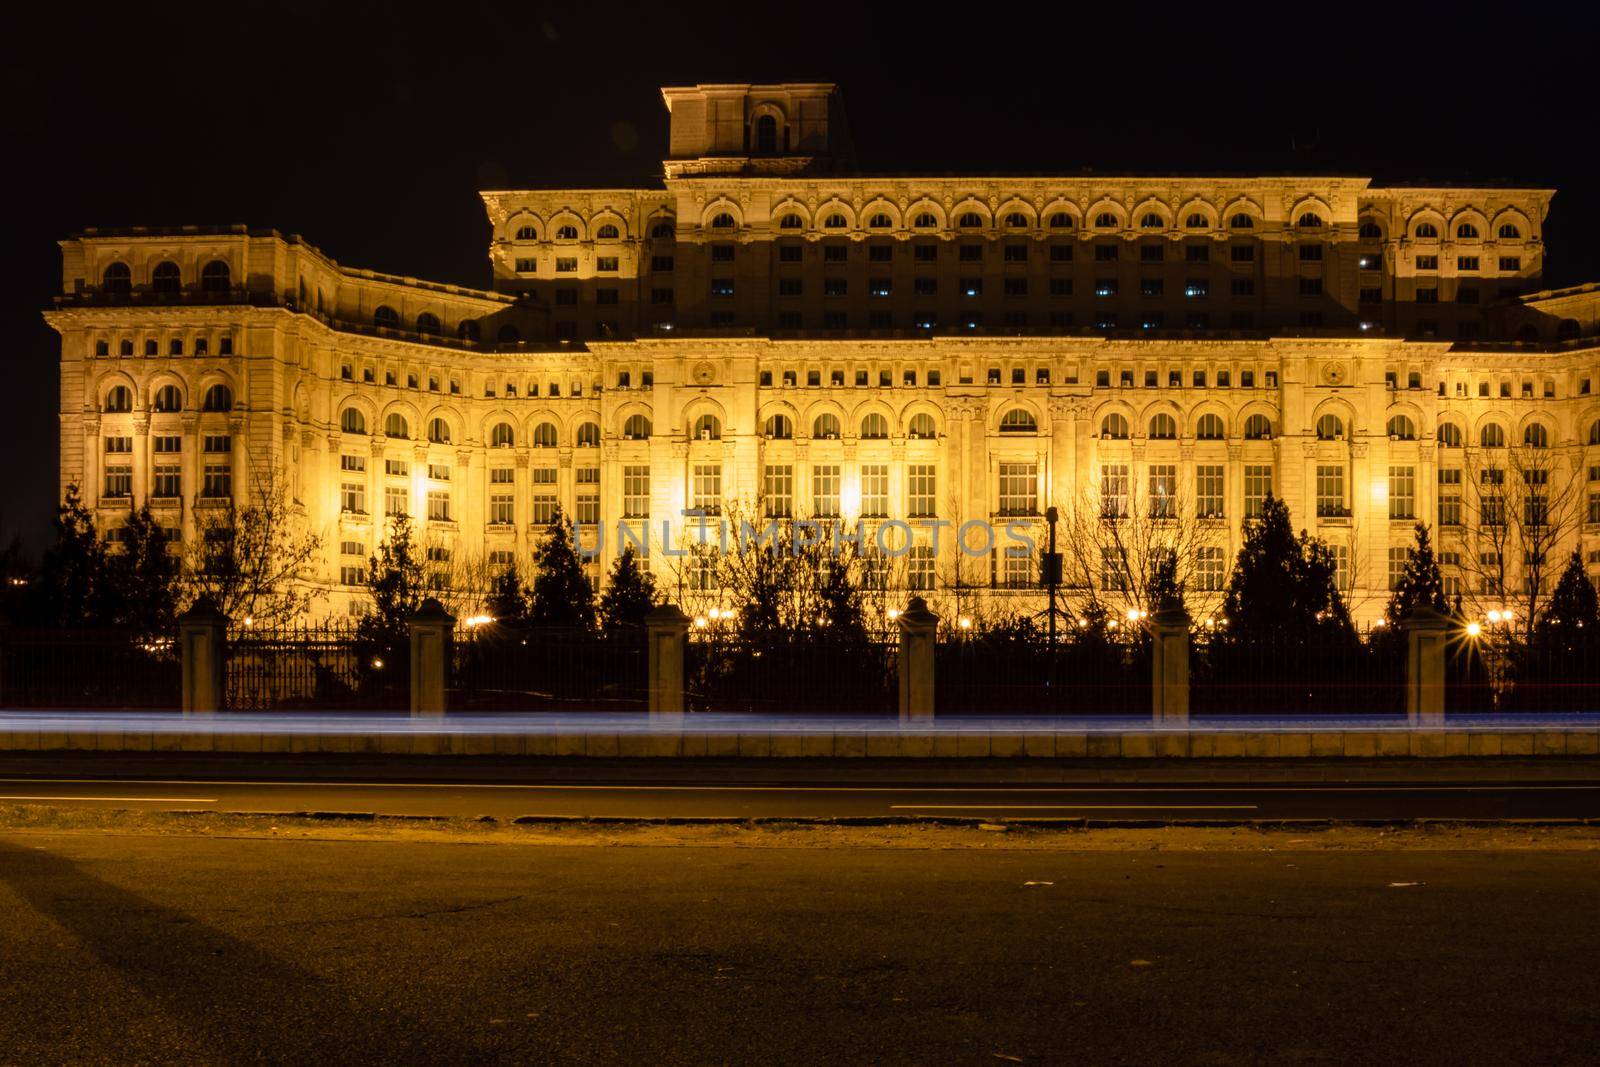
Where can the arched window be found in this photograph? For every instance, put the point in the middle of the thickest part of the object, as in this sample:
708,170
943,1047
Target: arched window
766,134
352,421
1163,427
1241,221
1536,436
219,398
1151,221
125,347
607,232
501,435
1115,427
1196,221
722,221
1210,428
791,221
1426,230
1449,435
396,426
1061,221
1568,330
778,428
166,278
1467,232
1106,220
1594,432
874,427
1401,428
117,279
970,220
168,398
880,221
1016,221
544,435
1370,231
527,233
118,398
1309,221
508,335
925,221
922,428
568,232
637,428
1493,435
1510,232
1257,428
439,431
1330,428
708,428
825,426
835,221
663,231
385,316
1018,420
467,329
428,323
588,435
215,277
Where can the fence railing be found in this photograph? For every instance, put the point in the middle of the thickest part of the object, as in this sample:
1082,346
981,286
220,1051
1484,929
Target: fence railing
978,676
1272,678
43,668
502,668
797,674
307,668
1544,674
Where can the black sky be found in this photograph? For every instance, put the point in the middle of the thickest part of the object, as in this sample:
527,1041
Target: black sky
369,128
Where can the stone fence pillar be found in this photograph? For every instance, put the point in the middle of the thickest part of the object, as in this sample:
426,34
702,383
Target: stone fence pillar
919,628
667,629
1427,632
201,633
431,627
1169,665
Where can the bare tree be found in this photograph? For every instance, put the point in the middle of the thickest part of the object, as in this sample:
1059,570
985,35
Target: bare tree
257,561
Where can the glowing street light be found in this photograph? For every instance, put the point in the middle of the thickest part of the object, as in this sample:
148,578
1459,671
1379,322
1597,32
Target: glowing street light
1473,629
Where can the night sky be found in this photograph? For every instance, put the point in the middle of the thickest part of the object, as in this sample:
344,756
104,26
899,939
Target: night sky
368,129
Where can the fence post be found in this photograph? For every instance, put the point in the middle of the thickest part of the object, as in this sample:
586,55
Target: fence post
1426,635
1169,665
431,626
201,632
668,632
918,630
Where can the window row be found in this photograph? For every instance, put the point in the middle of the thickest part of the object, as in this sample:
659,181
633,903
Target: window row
200,346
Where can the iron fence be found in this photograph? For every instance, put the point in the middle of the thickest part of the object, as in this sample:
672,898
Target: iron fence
1290,678
1544,674
308,668
42,668
503,668
989,676
793,674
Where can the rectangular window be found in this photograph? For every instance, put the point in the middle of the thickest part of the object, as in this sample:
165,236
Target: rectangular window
396,500
1257,484
874,490
439,505
1019,488
825,491
1511,263
1016,253
1341,566
1466,263
920,483
502,509
661,264
777,491
1242,253
352,574
1310,253
1427,262
216,444
721,286
353,464
1397,566
119,481
1114,491
353,498
117,445
168,445
168,482
542,508
1450,497
439,472
835,287
217,481
1208,570
397,468
1402,492
1330,492
635,492
707,495
1163,491
586,507
1017,570
919,568
1208,491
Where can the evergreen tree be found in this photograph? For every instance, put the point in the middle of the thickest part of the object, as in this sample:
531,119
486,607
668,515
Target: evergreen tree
72,574
1164,584
630,593
508,598
397,584
1282,587
142,578
839,612
1420,583
1572,615
561,593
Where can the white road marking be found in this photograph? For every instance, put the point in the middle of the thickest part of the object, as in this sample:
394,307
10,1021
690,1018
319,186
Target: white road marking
129,800
1072,807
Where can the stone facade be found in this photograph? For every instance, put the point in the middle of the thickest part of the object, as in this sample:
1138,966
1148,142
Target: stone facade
929,350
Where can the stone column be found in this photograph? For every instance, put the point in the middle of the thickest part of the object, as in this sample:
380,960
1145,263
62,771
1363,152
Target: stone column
1426,634
201,632
918,629
1169,665
431,626
668,631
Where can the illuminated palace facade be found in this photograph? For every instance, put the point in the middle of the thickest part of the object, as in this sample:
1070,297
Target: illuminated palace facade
770,329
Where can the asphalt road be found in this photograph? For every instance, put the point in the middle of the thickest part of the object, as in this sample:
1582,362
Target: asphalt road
714,796
122,949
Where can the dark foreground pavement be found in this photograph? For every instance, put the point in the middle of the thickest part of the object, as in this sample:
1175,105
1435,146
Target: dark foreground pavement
125,948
